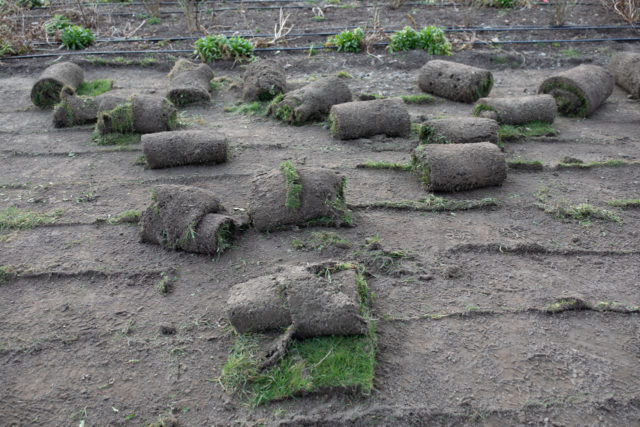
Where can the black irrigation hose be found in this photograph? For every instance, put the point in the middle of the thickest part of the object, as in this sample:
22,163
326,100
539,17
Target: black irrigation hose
333,33
307,48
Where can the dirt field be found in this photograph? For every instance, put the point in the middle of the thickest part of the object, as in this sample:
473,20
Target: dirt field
463,299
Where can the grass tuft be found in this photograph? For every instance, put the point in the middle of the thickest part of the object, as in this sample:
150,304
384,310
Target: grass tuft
384,165
126,217
7,272
417,99
567,163
583,212
625,203
294,188
533,129
94,87
525,164
13,218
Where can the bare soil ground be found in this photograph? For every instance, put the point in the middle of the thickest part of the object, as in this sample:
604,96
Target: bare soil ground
463,332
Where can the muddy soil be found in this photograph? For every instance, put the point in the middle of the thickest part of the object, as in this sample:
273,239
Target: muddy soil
463,332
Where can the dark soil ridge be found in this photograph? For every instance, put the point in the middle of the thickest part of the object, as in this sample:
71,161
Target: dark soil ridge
533,249
611,409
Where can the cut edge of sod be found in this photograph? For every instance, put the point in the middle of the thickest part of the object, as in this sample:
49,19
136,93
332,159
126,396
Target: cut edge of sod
311,366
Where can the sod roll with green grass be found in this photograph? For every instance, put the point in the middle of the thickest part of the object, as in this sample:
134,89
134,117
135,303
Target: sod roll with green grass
362,119
455,81
625,68
263,80
459,130
141,114
517,110
189,83
311,102
74,110
459,167
580,91
291,195
45,93
186,218
187,147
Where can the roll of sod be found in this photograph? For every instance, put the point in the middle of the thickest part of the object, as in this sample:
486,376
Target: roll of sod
142,114
189,83
579,91
178,148
263,80
186,218
289,196
314,305
454,81
362,119
311,102
459,167
625,68
74,110
319,308
259,305
518,111
459,130
45,93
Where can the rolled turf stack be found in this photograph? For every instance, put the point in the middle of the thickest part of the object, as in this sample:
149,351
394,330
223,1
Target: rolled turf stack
186,218
188,147
454,81
74,110
288,196
518,111
625,68
311,102
263,80
45,93
459,167
141,114
189,83
296,296
362,119
459,130
579,91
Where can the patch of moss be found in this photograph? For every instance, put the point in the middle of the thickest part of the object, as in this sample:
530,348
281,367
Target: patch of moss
294,188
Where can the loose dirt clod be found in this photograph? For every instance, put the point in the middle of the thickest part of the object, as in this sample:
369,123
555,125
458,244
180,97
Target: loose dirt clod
458,167
186,218
263,80
454,81
142,114
74,110
319,200
45,93
625,68
459,130
177,148
314,305
579,91
518,110
311,102
189,82
361,119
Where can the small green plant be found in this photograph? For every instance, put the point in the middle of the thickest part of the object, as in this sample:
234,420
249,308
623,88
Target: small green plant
213,47
571,52
250,109
94,87
7,272
343,74
505,4
294,188
77,37
154,20
30,4
57,23
348,40
432,39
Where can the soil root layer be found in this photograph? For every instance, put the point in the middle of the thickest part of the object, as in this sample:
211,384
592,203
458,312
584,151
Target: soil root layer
178,148
263,80
189,82
454,81
625,68
362,119
518,111
459,130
